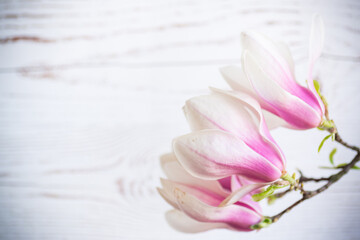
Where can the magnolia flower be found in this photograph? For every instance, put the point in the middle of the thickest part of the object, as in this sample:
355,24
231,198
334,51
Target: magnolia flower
269,77
230,137
196,201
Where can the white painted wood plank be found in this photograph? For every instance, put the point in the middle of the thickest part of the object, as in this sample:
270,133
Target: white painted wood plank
91,95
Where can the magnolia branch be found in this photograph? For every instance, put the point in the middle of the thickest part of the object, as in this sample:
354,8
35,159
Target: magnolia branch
330,180
339,140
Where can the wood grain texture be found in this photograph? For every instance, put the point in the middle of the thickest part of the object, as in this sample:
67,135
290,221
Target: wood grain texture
91,94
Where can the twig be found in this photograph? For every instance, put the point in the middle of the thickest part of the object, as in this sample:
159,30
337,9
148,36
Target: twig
306,179
281,194
339,140
330,180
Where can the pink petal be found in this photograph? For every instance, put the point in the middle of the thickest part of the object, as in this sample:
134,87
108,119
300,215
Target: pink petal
316,38
168,197
238,182
289,107
242,192
214,111
215,154
183,223
270,59
237,80
237,217
315,49
273,121
175,172
264,144
284,51
225,183
170,193
202,194
235,183
203,189
243,182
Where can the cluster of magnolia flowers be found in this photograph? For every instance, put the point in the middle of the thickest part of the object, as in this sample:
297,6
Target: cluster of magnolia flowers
217,171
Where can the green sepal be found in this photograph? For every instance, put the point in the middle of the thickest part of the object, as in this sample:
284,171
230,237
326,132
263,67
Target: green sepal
331,156
288,178
264,223
267,192
326,124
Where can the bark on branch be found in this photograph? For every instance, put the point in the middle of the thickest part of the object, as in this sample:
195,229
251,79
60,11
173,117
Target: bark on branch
329,180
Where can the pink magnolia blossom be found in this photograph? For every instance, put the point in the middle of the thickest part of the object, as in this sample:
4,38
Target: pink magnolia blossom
268,75
196,201
230,137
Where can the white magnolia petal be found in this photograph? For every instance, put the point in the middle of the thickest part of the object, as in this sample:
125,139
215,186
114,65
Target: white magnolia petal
235,183
241,192
197,120
257,112
183,223
237,80
238,182
239,217
175,172
264,86
168,197
234,217
273,121
213,111
270,59
291,108
316,38
215,154
315,48
286,54
203,195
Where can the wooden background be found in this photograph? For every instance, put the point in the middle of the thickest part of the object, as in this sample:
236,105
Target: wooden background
91,94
